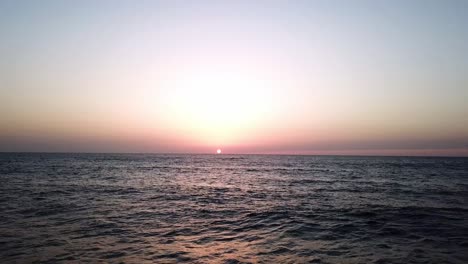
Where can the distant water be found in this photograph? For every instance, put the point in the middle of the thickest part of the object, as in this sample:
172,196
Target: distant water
232,209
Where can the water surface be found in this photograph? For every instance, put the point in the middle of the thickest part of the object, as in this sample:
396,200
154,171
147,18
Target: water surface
232,209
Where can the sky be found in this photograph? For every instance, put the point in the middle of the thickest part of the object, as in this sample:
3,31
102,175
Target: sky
287,77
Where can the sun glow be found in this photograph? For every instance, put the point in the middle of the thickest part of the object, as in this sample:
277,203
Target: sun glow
218,151
218,106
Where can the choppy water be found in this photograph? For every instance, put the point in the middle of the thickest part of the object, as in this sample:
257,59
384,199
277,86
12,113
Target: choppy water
232,209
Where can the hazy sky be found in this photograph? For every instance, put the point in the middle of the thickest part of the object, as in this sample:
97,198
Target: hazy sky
318,77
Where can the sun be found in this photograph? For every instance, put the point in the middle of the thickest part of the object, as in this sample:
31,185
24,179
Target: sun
218,151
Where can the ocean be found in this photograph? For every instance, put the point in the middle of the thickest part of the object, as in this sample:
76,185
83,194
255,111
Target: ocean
138,208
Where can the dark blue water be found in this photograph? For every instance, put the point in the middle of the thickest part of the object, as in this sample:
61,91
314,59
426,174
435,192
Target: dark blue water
232,209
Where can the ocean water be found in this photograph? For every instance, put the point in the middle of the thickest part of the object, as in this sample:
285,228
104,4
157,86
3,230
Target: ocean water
69,208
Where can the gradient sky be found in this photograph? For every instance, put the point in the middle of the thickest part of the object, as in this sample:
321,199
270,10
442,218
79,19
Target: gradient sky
299,77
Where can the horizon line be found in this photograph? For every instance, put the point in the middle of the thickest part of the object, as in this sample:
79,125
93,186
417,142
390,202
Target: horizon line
240,154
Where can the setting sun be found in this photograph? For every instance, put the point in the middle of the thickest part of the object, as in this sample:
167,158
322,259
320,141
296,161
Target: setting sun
218,151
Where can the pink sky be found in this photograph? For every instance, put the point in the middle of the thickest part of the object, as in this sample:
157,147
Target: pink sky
304,78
